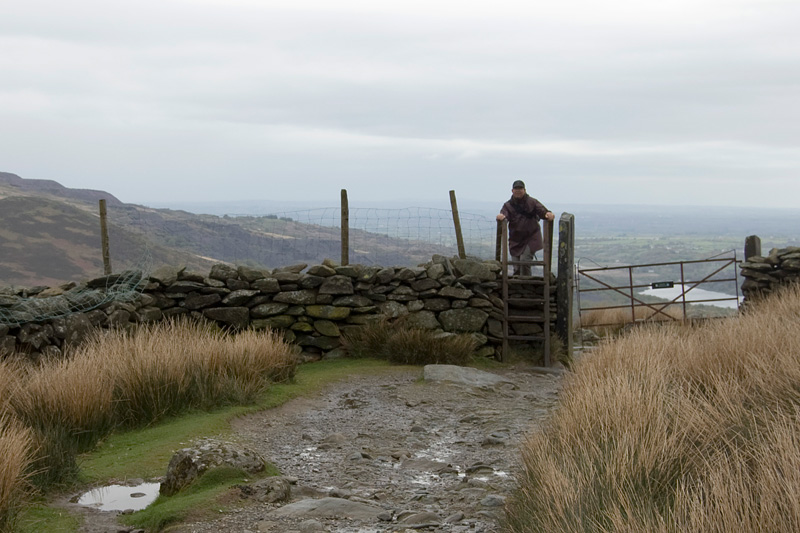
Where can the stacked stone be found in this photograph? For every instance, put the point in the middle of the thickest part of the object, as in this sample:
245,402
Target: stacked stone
763,275
313,305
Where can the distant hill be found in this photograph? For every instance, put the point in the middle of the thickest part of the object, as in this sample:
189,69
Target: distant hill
50,234
13,185
48,242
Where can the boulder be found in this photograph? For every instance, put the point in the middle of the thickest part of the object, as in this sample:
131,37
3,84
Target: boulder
456,293
195,301
223,272
8,345
250,274
464,320
350,271
309,282
471,267
189,464
337,284
302,297
266,285
323,271
384,276
393,309
462,375
236,284
287,277
237,317
299,267
435,271
437,304
352,301
270,490
274,322
328,508
149,314
268,309
239,297
183,287
78,328
422,319
327,328
328,312
425,284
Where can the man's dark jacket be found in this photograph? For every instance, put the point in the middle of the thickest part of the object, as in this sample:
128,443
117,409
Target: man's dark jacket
523,217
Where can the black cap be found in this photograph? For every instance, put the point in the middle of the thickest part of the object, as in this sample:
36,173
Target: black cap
519,184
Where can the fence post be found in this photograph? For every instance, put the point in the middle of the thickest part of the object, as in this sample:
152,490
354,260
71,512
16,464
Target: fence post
457,223
565,281
345,229
104,238
752,247
498,243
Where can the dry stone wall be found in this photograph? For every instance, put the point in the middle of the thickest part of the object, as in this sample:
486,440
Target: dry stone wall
764,275
312,305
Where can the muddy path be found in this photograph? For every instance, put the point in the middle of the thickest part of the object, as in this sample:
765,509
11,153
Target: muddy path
430,455
388,452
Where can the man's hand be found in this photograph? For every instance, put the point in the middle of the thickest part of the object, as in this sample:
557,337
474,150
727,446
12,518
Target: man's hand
501,217
549,216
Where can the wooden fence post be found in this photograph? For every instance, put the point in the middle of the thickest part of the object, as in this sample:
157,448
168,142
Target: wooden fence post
565,281
345,229
104,238
752,247
498,248
457,223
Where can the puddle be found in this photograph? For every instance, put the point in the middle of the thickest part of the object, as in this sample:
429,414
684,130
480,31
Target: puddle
120,497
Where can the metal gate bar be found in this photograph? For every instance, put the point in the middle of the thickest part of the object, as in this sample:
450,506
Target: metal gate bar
657,308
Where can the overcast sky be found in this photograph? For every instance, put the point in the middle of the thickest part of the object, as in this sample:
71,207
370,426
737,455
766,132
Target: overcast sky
640,101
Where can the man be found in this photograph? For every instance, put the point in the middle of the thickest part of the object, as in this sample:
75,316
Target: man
524,236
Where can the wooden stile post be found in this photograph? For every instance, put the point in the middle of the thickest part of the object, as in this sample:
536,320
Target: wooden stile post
565,281
104,238
345,229
498,247
457,223
504,273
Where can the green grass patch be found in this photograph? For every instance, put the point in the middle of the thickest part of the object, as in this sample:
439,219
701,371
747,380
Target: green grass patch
202,499
39,517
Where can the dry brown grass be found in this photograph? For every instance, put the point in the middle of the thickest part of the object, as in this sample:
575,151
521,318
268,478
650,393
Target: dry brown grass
168,367
675,429
15,456
621,316
396,342
124,379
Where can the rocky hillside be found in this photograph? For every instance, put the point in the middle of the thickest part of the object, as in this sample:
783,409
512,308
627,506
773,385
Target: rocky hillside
49,242
50,234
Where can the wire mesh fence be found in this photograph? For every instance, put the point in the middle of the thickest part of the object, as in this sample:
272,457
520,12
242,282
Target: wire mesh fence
142,238
387,237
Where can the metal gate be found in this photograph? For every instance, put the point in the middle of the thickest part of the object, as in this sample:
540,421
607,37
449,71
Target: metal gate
609,296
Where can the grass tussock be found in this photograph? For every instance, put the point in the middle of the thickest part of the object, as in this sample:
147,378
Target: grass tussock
674,429
15,457
611,318
395,342
134,378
